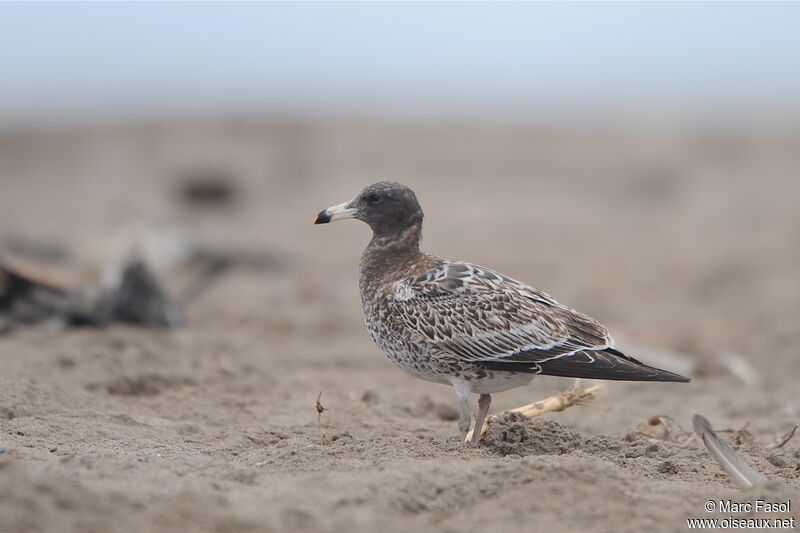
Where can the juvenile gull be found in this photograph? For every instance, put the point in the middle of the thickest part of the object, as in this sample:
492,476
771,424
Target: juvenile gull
465,325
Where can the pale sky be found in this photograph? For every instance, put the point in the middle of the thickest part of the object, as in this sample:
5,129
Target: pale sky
123,59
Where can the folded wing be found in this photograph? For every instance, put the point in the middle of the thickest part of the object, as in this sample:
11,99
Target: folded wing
476,315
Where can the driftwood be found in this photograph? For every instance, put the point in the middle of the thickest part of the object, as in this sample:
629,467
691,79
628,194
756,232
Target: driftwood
32,293
576,395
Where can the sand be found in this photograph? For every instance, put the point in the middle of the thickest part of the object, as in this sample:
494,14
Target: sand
685,241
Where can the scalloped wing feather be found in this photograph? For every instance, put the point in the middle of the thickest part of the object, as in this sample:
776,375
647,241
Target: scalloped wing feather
479,314
476,315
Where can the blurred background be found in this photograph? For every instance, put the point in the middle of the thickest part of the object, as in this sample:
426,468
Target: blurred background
614,154
638,161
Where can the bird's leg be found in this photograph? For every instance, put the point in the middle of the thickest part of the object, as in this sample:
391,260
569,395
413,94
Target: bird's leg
465,419
483,407
463,390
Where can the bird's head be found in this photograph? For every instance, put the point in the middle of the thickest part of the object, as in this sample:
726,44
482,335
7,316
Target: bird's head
388,208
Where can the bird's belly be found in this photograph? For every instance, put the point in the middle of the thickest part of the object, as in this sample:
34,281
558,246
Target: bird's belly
415,362
408,355
418,361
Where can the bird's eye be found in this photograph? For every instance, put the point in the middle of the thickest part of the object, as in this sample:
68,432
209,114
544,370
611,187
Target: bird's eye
373,198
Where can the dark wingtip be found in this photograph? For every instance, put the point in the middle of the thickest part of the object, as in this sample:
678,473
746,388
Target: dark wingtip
610,364
322,218
659,375
650,373
676,378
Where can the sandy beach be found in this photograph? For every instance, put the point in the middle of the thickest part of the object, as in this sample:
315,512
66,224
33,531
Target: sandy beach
684,242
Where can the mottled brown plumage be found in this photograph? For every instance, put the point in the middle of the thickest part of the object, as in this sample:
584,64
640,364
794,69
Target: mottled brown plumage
465,325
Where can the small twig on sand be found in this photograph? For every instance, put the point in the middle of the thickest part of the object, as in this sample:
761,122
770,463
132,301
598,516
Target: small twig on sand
576,395
740,436
320,410
780,441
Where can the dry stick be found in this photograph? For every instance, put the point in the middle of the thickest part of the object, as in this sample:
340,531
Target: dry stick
780,441
320,410
576,395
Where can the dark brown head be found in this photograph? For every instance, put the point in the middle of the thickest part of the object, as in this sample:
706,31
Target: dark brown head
388,207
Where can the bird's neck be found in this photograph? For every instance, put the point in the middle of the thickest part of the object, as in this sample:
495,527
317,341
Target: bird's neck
388,254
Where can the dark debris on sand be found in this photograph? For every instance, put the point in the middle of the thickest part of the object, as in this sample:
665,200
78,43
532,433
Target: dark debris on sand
30,293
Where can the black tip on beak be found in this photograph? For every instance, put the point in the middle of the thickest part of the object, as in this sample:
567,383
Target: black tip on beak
323,217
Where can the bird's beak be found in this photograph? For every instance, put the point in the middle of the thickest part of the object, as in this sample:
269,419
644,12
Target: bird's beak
335,212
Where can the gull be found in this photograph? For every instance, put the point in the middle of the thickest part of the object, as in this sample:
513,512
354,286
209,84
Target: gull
465,325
